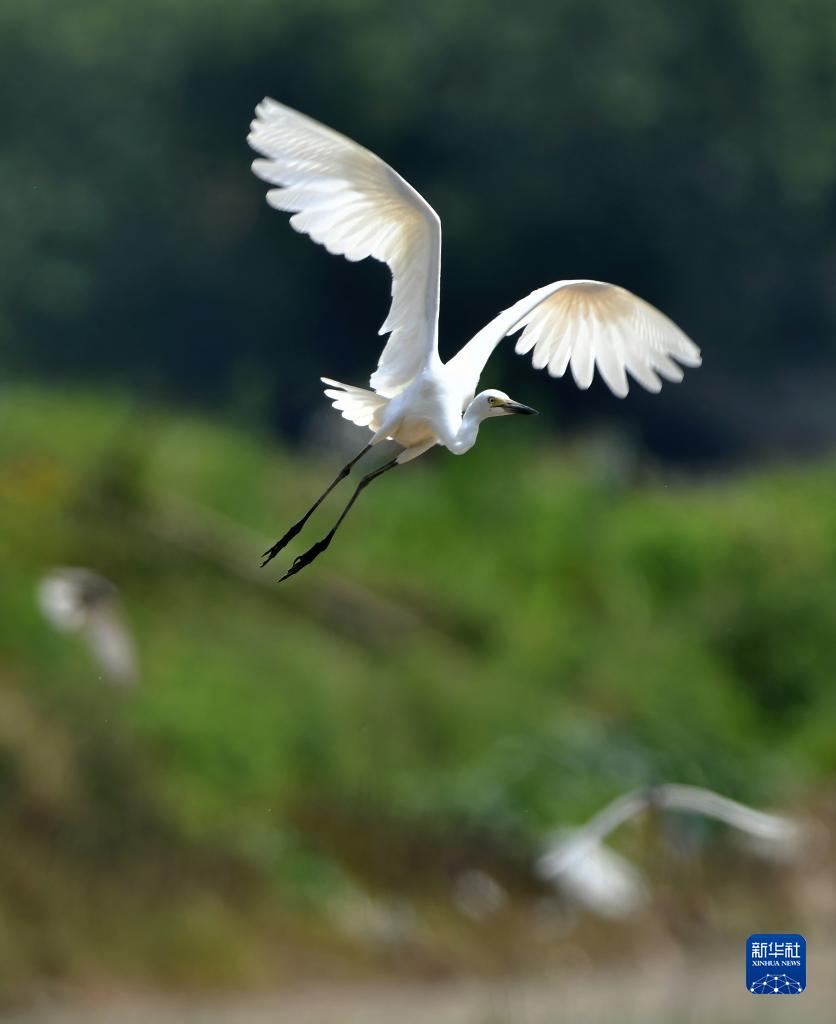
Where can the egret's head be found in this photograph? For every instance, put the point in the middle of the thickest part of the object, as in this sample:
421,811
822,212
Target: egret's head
496,403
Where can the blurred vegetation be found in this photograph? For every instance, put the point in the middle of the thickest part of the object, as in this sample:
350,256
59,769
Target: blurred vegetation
687,151
496,646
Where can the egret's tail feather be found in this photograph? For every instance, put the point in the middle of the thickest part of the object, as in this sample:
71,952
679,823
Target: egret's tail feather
365,408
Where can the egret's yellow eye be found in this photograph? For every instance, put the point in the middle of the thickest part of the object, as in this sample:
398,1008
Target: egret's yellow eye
491,400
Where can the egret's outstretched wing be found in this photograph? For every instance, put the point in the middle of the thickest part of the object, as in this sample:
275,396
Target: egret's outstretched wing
584,324
354,204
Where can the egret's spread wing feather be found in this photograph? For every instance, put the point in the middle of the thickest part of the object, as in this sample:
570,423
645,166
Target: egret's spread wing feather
354,204
587,324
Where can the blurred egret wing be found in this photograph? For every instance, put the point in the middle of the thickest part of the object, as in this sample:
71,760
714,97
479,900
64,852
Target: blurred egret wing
347,199
112,646
775,835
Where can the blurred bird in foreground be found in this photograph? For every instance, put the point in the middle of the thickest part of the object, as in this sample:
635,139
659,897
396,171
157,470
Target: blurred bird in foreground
347,199
593,875
76,600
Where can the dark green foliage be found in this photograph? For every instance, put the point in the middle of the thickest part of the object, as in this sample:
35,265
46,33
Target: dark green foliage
687,151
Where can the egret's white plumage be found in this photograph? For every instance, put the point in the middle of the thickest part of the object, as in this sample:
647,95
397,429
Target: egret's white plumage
594,876
77,600
352,202
578,861
584,324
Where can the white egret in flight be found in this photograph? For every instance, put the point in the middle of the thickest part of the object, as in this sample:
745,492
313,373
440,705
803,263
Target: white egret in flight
592,874
77,600
354,204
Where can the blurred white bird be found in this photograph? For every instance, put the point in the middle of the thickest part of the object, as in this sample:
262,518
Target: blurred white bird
347,199
76,600
608,884
592,875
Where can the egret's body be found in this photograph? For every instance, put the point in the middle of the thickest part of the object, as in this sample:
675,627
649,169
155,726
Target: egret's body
436,408
354,204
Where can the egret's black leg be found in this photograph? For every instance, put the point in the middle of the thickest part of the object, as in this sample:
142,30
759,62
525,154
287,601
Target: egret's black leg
271,553
313,552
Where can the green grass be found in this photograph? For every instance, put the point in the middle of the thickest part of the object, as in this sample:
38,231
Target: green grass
494,645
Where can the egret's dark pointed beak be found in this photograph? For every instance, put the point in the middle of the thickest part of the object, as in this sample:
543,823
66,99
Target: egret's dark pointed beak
518,409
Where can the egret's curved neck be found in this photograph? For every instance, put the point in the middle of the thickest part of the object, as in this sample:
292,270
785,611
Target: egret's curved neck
468,431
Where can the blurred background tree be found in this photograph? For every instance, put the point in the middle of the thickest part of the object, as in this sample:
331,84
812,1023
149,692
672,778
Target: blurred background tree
686,151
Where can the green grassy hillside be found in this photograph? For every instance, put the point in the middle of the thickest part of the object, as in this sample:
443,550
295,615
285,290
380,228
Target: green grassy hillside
493,646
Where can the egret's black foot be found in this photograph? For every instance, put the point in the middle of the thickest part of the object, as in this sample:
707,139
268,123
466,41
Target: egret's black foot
282,542
308,556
